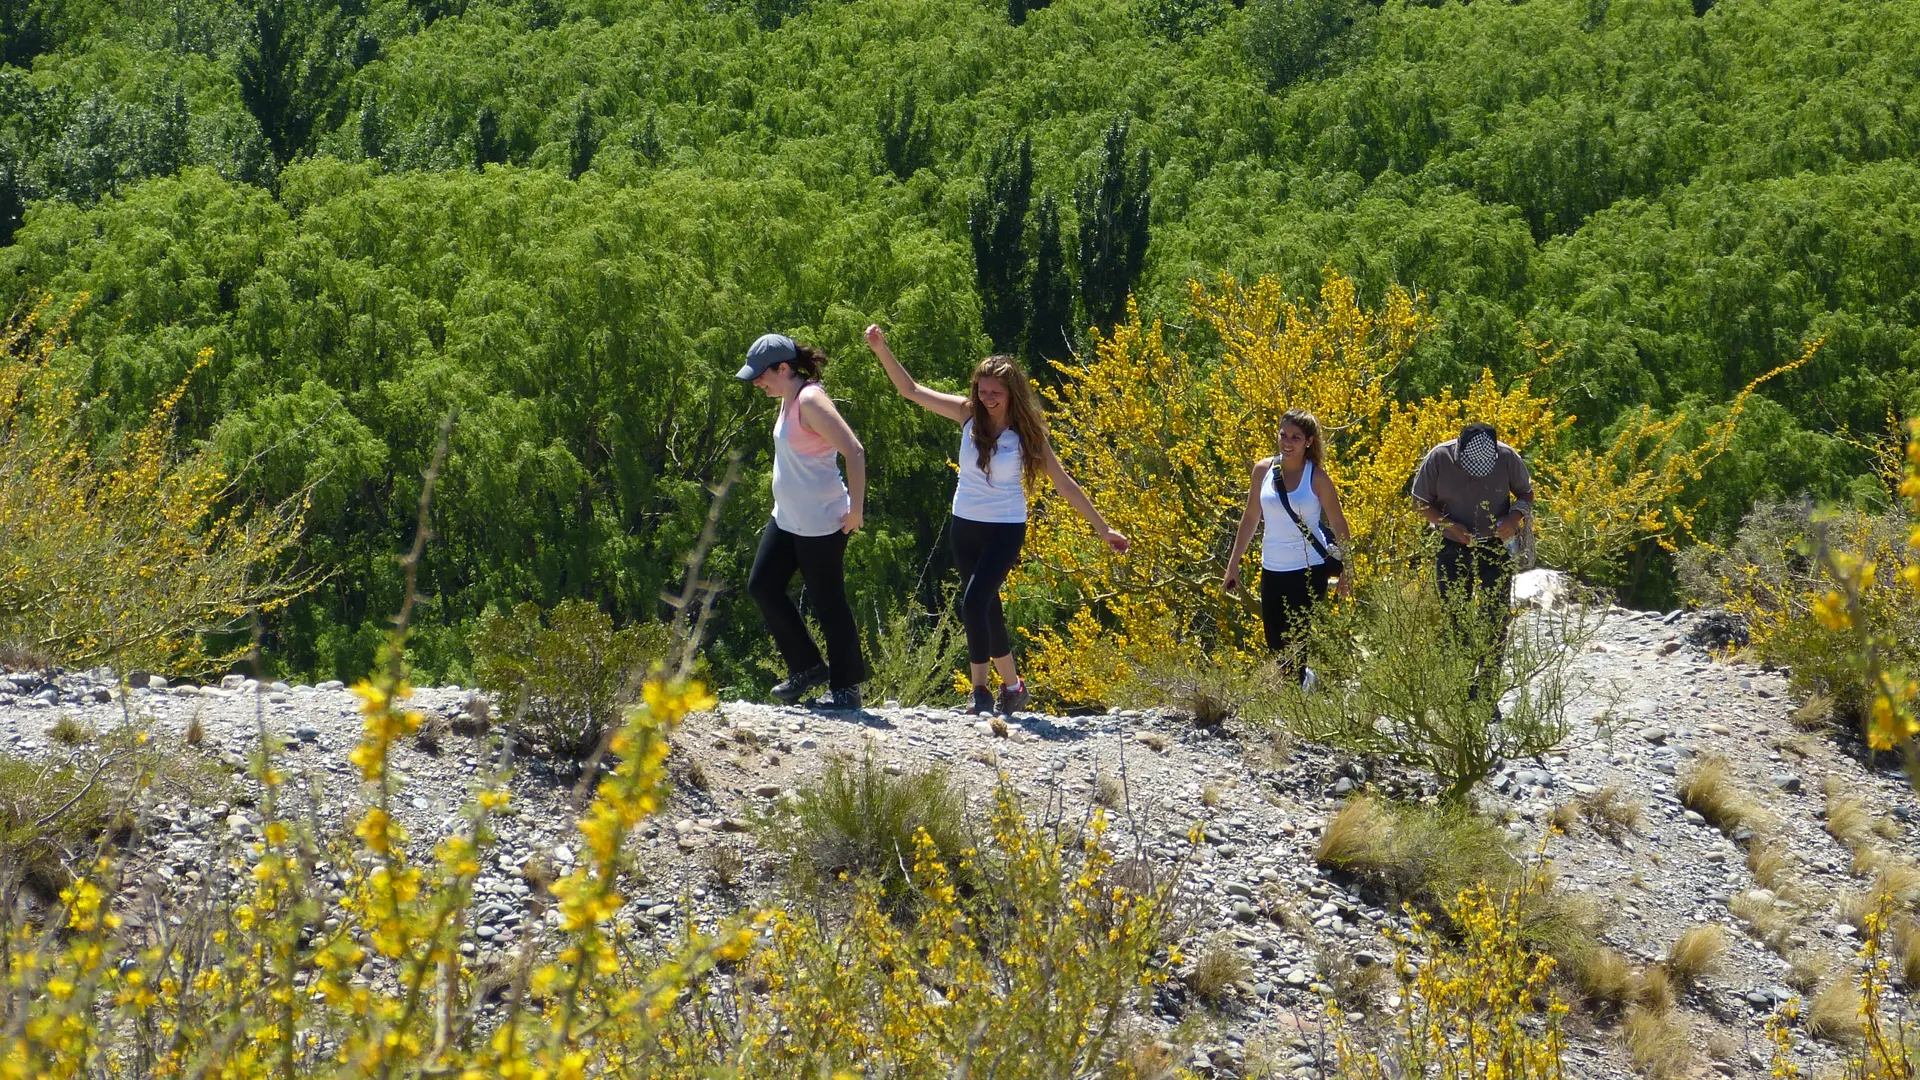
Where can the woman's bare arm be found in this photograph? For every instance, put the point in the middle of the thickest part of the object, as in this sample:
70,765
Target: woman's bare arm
1077,498
952,406
818,413
1249,518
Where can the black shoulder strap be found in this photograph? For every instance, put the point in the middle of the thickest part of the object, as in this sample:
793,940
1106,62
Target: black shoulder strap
1287,503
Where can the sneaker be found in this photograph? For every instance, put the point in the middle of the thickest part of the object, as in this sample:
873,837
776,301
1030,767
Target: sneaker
838,699
1014,698
982,702
789,690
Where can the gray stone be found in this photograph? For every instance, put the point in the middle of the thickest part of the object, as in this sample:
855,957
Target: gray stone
1787,782
1245,912
1655,735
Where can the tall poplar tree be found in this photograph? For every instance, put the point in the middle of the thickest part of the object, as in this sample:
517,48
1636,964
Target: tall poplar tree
1112,203
998,223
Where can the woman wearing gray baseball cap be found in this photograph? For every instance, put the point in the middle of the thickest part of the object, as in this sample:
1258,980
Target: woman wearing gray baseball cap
814,512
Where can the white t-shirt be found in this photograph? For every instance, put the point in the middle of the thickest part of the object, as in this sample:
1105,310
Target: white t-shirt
997,496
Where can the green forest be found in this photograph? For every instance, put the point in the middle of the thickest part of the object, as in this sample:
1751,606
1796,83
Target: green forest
562,221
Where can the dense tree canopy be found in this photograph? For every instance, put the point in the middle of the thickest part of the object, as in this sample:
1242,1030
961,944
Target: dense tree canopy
565,219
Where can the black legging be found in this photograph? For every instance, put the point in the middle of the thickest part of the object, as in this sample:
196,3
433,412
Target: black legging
1476,584
985,553
821,561
1286,596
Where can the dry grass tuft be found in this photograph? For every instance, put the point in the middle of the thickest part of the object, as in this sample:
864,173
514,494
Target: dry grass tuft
1565,817
1854,907
1212,795
1605,980
1153,741
1711,791
1814,714
1834,1013
1220,967
1772,866
1611,814
1809,969
67,731
1355,988
1653,990
1848,820
1899,879
1906,948
196,731
725,865
998,727
1108,791
985,757
1696,953
1358,837
1765,922
1657,1043
433,729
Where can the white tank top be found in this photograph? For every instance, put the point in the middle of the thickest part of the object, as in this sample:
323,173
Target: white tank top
996,497
1283,546
809,497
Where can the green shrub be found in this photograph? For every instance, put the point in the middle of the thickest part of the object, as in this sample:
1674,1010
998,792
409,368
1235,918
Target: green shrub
564,675
915,655
860,820
1400,673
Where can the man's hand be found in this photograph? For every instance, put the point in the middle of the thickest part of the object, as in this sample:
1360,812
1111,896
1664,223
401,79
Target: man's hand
1509,527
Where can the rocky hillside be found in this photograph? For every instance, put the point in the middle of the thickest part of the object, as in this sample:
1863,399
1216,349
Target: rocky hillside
1652,705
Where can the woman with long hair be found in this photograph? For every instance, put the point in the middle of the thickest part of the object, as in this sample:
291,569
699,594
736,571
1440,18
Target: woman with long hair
1004,450
814,512
1291,494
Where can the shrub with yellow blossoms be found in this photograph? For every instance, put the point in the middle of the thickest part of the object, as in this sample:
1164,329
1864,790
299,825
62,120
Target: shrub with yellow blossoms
1171,434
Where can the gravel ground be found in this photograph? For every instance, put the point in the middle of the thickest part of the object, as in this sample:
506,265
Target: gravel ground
1649,703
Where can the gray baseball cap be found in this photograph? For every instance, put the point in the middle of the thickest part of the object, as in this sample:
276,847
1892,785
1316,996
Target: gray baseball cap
766,351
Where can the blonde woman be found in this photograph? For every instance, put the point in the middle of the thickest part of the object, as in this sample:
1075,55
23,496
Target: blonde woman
1291,495
1004,450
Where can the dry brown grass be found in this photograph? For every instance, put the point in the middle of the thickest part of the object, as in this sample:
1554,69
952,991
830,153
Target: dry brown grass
1152,740
1653,989
1603,977
1765,922
1220,967
1212,795
1564,817
196,731
1611,814
1355,988
1834,1013
1656,1042
1696,953
1906,950
1809,969
1898,879
1772,866
725,865
1814,714
1108,791
67,731
1849,821
1359,835
1854,907
1710,790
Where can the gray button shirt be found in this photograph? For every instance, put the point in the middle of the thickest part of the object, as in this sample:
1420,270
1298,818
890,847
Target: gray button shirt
1475,502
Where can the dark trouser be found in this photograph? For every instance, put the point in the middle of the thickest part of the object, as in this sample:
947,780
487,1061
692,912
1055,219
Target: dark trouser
1476,582
821,561
1286,596
985,553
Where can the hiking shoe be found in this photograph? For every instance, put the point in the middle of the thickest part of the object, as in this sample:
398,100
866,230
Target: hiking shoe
839,699
789,690
1014,698
982,702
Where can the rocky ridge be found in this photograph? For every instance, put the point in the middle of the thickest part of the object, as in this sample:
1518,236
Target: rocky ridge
1651,700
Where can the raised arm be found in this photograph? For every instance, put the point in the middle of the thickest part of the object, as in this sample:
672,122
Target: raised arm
818,413
952,406
1249,518
1077,498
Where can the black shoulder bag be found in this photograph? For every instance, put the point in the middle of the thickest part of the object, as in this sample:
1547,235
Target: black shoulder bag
1335,567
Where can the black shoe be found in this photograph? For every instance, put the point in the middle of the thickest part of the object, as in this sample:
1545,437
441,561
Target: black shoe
1014,698
838,699
789,690
982,702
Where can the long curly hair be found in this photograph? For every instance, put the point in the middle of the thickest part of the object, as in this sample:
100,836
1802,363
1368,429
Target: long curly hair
1309,426
1023,415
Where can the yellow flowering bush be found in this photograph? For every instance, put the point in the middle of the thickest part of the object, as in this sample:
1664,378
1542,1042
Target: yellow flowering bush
319,959
1171,435
1835,596
1888,1047
1481,1006
132,557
